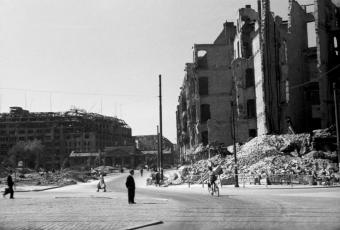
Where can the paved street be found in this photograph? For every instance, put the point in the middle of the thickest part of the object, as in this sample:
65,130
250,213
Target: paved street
80,207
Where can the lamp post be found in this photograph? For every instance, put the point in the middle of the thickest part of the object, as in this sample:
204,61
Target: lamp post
234,143
160,127
336,124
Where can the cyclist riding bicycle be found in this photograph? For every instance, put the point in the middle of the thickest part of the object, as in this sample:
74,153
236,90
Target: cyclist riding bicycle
212,176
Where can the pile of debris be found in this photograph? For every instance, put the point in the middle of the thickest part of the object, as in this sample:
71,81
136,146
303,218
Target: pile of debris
58,178
299,154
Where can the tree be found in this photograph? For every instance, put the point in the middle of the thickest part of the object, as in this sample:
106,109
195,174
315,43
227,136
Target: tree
30,152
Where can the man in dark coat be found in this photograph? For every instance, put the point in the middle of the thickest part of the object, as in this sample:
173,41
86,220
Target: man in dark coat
10,184
130,185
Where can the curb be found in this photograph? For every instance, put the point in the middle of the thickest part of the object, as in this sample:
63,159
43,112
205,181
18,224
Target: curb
143,226
39,190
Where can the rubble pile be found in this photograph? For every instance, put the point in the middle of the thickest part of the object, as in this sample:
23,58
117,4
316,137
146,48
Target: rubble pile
59,178
291,154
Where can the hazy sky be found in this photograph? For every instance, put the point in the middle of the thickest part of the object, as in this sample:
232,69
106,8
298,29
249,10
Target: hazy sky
106,55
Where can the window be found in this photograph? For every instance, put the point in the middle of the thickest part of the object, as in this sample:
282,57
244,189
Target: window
251,109
193,113
203,85
314,97
311,34
202,60
287,91
250,81
252,132
205,140
336,47
205,113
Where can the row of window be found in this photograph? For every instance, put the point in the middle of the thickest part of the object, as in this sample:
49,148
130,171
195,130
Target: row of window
206,115
203,82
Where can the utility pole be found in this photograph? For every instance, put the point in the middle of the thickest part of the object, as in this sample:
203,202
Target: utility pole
160,126
234,143
336,124
158,149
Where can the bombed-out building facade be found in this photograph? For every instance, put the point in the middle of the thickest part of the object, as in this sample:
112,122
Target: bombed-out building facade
74,131
275,76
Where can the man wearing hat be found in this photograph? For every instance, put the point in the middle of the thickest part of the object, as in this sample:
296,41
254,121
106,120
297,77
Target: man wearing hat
130,185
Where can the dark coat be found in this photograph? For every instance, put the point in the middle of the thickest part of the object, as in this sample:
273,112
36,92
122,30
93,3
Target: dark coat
10,182
130,182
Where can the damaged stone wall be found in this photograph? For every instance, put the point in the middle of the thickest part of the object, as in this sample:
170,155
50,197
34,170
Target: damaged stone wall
218,72
270,71
327,26
302,68
243,74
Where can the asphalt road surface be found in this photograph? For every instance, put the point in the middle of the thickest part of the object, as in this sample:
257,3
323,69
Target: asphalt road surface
311,208
81,207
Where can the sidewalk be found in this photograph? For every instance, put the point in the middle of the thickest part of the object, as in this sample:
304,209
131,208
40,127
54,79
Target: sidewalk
252,190
38,188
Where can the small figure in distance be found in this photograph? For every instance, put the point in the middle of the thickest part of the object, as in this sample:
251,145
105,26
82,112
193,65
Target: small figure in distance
101,184
10,185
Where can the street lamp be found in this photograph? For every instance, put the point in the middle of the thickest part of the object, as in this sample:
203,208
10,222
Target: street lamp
234,142
336,124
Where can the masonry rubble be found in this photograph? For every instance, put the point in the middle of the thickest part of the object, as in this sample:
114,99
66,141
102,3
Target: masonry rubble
62,177
301,155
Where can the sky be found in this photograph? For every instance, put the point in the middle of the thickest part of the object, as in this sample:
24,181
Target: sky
105,56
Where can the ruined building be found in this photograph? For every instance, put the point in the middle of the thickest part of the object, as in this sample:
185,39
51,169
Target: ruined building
243,74
293,63
62,133
278,74
314,63
207,85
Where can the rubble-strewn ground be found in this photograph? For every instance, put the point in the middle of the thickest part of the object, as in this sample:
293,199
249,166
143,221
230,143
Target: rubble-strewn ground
56,178
298,158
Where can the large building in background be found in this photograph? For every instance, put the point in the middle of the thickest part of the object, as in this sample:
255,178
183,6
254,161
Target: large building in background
62,133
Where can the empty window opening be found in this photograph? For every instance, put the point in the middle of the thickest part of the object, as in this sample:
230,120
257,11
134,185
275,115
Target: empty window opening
336,46
205,139
314,97
252,132
205,113
193,113
250,81
311,34
201,53
287,91
202,60
251,109
203,85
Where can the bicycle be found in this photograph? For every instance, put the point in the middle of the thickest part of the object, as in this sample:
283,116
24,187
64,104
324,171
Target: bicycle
213,189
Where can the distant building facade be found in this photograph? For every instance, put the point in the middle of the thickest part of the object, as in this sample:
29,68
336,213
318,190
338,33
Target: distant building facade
62,133
148,146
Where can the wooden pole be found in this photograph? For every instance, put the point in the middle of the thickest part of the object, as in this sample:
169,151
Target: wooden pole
160,126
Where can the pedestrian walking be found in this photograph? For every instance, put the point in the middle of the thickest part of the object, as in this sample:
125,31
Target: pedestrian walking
157,179
10,185
101,184
141,172
130,185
